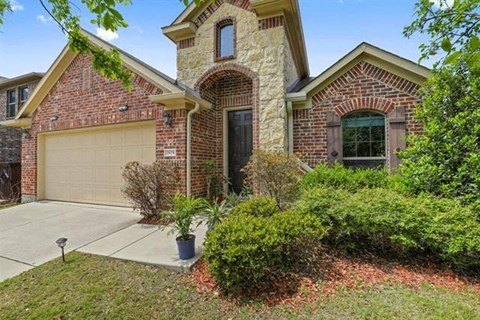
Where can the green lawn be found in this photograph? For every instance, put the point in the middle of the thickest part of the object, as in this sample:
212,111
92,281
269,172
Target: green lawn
90,287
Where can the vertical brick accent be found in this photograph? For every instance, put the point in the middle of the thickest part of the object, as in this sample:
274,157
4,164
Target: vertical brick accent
363,87
78,106
186,43
242,4
272,22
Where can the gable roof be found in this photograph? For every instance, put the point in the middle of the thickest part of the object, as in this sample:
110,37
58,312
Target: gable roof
19,80
59,66
184,25
383,59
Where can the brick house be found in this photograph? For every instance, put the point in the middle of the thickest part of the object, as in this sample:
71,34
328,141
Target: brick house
13,94
243,83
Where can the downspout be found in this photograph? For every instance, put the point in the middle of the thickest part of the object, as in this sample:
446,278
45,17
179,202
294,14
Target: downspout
189,147
290,126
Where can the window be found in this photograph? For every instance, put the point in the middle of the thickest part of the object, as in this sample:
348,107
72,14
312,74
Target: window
363,135
22,95
225,39
15,99
11,103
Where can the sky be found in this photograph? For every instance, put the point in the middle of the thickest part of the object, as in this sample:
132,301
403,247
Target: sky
30,41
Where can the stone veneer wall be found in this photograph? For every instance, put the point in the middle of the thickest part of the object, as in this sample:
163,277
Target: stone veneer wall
364,86
261,47
82,98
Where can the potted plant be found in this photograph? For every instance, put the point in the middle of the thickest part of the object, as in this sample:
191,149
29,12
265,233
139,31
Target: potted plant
215,212
183,211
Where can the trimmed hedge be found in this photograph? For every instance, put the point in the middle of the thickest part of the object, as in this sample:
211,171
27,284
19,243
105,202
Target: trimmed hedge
244,249
259,207
384,220
349,179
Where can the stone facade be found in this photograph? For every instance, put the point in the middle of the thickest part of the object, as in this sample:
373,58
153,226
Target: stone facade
363,87
263,49
82,98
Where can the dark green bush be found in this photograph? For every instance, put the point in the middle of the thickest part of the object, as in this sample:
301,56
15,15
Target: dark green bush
445,160
244,249
381,219
346,178
258,206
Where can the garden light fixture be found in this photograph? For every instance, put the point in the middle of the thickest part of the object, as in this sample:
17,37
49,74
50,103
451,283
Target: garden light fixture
62,242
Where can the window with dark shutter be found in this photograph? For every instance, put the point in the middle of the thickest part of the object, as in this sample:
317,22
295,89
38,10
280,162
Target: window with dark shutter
363,139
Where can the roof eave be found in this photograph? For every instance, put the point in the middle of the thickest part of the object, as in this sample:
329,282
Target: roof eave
410,70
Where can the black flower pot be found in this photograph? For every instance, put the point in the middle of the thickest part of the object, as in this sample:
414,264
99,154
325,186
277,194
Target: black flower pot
186,248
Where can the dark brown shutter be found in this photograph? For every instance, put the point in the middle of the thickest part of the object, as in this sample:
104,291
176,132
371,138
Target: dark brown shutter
334,138
397,129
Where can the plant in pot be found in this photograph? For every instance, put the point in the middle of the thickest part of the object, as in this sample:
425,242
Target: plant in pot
183,211
215,212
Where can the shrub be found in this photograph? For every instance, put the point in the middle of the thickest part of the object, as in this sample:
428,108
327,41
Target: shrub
216,212
345,178
244,249
445,159
183,211
381,219
150,187
259,207
275,174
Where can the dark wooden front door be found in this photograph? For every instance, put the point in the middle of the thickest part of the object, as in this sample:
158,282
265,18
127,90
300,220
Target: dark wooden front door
240,144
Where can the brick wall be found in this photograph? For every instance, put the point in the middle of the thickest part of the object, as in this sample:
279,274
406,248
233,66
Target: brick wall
224,89
364,86
82,98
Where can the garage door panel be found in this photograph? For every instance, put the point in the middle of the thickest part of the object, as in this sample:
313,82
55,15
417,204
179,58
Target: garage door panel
87,166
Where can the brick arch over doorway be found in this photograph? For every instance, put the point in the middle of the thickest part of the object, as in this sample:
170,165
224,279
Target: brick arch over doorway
228,87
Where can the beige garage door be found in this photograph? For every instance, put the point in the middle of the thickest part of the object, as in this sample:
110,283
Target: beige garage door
86,166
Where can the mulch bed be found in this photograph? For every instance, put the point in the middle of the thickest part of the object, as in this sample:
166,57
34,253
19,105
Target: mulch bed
340,270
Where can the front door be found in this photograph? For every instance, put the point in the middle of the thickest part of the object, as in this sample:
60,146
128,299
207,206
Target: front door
240,144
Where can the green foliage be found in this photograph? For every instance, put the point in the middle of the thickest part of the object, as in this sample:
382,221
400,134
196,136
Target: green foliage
258,207
216,212
445,159
210,170
274,174
452,28
345,178
107,63
183,211
150,187
243,250
382,219
4,8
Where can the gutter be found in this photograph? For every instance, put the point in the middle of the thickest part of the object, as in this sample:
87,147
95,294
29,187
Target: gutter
290,125
189,147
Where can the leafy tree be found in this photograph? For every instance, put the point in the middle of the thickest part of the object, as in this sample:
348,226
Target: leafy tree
445,160
452,25
106,15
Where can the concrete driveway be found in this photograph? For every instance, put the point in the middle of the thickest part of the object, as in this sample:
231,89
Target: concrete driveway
28,232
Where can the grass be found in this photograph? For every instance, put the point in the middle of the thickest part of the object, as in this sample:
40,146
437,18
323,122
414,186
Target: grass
91,287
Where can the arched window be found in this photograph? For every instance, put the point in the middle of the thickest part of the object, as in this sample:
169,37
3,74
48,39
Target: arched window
225,39
363,139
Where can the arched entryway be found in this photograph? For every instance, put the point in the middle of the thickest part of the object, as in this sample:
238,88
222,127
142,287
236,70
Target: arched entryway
228,132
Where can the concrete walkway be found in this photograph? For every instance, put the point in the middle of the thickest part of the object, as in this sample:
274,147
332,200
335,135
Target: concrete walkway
146,244
28,232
